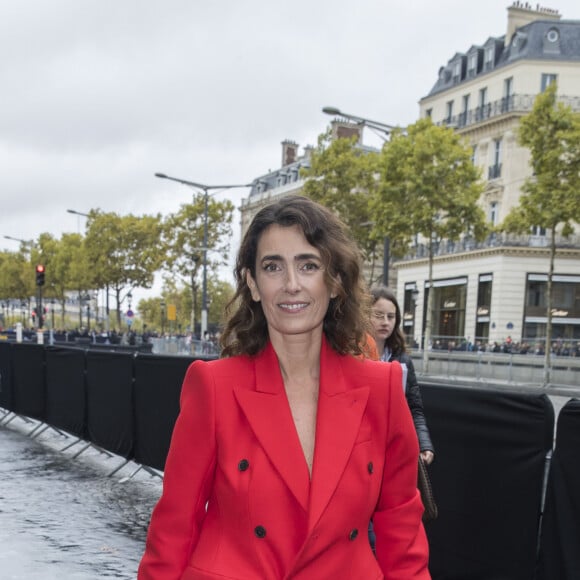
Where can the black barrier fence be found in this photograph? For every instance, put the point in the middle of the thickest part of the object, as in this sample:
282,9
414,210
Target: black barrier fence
488,478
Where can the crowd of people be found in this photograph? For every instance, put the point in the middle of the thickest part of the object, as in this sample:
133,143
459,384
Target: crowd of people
560,347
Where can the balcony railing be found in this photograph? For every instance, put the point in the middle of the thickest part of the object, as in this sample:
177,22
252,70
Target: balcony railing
511,104
447,247
494,171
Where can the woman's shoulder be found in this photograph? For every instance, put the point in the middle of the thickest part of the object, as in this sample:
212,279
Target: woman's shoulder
403,357
367,370
234,365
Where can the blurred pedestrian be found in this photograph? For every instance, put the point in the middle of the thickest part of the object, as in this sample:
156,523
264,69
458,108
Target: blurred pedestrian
386,320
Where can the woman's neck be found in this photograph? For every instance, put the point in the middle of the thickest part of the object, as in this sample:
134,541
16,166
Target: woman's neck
298,356
380,345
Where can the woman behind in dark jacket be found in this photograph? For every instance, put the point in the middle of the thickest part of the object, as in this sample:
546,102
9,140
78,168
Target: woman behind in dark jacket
390,340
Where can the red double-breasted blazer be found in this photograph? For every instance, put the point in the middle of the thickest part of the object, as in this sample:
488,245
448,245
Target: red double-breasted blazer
238,501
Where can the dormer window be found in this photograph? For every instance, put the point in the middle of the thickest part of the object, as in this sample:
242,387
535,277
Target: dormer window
553,35
518,41
472,64
489,57
552,41
457,71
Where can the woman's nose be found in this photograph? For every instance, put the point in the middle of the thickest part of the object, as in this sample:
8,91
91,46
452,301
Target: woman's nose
292,280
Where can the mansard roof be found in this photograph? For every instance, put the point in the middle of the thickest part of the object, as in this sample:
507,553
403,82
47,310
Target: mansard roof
539,40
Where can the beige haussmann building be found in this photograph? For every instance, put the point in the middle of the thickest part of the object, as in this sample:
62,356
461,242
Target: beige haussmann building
483,292
491,291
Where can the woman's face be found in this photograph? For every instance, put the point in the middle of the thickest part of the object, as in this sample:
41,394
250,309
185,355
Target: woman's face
289,282
383,318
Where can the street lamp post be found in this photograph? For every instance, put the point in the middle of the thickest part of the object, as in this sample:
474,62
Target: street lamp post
385,132
377,125
79,214
162,305
86,215
206,189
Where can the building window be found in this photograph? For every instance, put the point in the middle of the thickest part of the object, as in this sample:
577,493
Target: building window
547,80
474,155
482,111
489,52
457,71
465,111
508,89
565,310
552,42
429,113
495,168
449,298
449,110
472,64
483,313
493,211
538,231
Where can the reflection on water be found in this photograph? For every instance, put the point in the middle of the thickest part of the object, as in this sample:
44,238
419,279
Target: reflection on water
66,519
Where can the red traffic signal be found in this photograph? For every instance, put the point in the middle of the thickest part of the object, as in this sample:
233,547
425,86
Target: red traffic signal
40,275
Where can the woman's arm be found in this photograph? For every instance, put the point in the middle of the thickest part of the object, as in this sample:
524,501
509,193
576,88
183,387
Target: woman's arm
415,401
188,477
401,544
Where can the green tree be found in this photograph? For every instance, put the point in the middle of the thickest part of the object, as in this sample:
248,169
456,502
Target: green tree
67,270
16,275
429,187
124,252
184,243
551,196
342,177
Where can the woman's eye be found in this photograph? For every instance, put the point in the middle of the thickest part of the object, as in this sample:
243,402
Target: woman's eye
270,267
310,267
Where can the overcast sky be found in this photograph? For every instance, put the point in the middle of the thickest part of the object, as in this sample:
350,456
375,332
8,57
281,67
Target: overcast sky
98,95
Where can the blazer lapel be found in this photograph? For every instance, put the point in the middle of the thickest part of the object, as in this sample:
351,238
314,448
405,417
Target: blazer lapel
340,411
267,410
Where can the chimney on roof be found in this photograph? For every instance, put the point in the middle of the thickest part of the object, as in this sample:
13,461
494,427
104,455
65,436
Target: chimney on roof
289,152
346,130
521,13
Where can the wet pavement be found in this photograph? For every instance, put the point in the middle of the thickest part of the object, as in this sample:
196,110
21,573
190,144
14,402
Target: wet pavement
65,518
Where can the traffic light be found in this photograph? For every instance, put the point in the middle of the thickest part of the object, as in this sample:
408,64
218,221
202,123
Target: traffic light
40,275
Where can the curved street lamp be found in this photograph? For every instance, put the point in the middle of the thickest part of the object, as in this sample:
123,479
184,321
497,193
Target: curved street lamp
386,130
206,189
377,125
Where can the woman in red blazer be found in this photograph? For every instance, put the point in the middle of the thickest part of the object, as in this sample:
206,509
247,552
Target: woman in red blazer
286,448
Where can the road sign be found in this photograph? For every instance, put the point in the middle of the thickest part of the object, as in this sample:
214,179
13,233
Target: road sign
130,314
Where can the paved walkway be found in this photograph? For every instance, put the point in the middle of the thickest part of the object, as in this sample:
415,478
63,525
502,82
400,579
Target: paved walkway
66,519
63,518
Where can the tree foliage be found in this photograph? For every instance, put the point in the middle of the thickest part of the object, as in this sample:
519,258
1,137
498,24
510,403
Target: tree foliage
16,275
183,234
152,311
429,190
551,196
342,177
123,252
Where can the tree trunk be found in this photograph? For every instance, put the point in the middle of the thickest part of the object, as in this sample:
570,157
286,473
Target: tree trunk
429,313
548,348
193,300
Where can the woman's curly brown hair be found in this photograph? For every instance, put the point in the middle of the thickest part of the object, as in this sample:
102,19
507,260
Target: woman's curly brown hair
346,323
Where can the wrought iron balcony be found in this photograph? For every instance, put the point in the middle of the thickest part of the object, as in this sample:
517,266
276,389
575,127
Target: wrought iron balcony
494,171
467,244
512,104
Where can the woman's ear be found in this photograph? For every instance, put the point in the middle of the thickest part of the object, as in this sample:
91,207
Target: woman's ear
252,286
